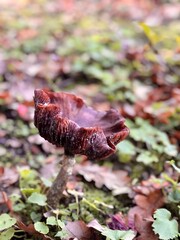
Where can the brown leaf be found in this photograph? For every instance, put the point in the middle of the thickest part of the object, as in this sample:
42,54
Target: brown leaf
8,176
150,202
31,230
5,200
144,228
50,168
81,231
167,96
141,214
141,224
96,225
117,181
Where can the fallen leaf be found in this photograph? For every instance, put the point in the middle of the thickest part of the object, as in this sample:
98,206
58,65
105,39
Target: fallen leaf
8,176
142,213
144,228
81,231
5,200
50,168
160,104
96,225
31,230
120,222
150,202
117,181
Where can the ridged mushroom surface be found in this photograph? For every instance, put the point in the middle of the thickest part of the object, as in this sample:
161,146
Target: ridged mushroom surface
66,121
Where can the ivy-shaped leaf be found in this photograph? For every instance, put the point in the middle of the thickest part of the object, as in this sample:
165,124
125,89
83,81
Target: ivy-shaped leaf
142,131
55,222
126,147
118,234
62,234
147,158
164,226
41,227
38,199
8,234
6,221
51,221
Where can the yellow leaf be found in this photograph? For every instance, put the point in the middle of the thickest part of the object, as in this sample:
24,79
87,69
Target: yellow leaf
150,34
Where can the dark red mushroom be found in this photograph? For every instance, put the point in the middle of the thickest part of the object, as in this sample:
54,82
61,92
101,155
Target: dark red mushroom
66,121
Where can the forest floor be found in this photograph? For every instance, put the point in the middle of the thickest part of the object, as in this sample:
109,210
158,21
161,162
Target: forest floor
114,54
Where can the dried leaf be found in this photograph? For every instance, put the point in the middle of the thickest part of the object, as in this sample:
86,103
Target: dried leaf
81,231
117,181
120,222
144,228
8,176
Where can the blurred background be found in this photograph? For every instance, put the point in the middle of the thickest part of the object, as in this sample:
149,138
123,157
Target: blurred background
119,53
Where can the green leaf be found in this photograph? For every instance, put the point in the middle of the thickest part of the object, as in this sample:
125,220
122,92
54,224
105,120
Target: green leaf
166,228
8,234
174,196
46,182
6,221
51,221
126,147
19,207
41,227
29,181
147,158
171,150
35,216
62,234
118,234
55,222
152,137
38,199
61,224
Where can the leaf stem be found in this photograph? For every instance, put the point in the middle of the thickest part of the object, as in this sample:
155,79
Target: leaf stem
55,192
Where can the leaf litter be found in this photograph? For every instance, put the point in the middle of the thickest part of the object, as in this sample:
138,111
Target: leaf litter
110,62
117,180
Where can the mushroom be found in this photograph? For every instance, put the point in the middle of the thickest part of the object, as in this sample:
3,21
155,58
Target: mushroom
66,121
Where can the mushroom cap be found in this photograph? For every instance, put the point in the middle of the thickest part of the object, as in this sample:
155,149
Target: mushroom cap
66,121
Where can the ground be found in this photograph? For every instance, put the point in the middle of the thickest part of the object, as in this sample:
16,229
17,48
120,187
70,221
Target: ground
114,54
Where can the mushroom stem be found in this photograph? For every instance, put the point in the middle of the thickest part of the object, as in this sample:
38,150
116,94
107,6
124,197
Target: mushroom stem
55,192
